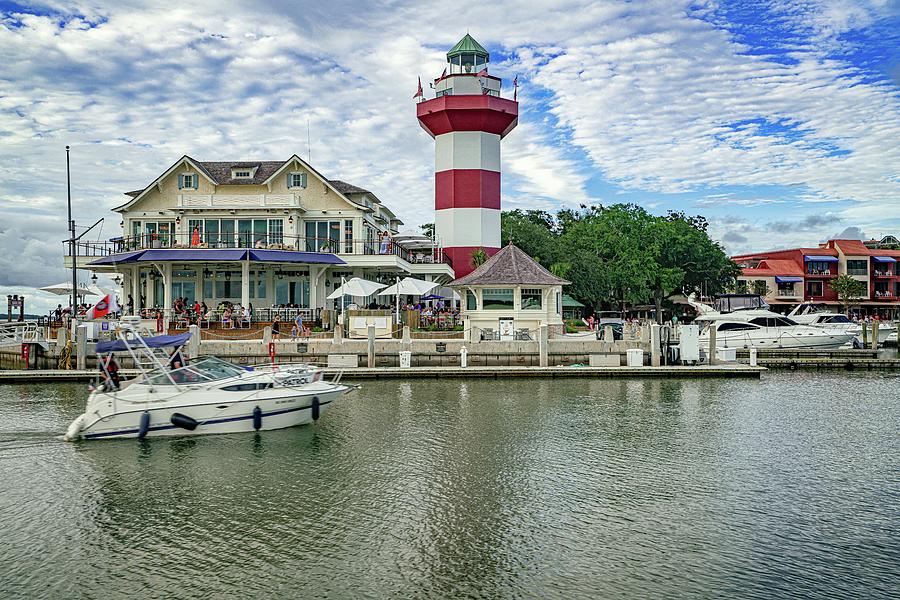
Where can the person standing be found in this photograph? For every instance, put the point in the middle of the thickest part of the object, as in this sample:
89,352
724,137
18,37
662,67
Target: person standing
195,236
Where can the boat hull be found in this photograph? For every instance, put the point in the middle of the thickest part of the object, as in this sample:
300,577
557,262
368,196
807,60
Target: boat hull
278,409
825,340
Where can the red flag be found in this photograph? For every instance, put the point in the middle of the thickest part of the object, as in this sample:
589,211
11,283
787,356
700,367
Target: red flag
482,72
419,92
104,306
444,74
515,87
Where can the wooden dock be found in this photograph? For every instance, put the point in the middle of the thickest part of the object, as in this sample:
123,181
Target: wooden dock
725,370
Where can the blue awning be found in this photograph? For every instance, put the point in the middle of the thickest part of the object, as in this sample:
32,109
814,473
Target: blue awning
159,341
115,259
194,254
289,256
884,259
820,259
220,255
788,279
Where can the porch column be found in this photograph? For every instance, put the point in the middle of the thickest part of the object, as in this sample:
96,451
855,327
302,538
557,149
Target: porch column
151,287
198,285
136,289
313,287
167,294
270,286
245,283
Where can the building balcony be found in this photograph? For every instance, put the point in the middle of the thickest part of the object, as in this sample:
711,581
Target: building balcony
883,295
788,293
340,247
882,274
821,272
238,201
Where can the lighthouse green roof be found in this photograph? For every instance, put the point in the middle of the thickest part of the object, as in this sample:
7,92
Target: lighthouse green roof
468,45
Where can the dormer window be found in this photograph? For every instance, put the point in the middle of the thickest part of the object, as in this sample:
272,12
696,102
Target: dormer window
242,174
296,180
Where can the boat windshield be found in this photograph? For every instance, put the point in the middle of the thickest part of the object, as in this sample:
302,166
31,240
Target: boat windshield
207,369
836,319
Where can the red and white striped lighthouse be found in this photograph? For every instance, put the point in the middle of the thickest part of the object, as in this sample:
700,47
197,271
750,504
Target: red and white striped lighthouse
467,119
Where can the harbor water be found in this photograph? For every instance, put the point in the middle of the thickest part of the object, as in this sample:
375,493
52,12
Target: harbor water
784,487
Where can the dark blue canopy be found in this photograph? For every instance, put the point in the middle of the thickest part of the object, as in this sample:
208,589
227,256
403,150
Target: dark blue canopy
290,256
432,297
222,255
159,341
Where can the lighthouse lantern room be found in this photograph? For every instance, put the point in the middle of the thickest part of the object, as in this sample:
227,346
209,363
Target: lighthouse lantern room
467,119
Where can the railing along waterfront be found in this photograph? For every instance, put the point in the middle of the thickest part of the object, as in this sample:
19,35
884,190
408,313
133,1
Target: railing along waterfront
433,254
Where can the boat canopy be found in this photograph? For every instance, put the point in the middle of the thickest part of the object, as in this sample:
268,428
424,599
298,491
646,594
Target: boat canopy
159,341
820,259
788,279
884,259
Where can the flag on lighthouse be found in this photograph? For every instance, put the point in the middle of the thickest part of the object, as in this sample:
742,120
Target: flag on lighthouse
515,87
419,92
104,306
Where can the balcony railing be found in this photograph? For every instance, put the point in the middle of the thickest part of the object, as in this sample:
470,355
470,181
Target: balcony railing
337,246
883,295
883,274
819,272
788,293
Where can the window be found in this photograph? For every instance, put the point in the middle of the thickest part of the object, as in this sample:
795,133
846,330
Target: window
814,288
817,267
242,174
323,236
497,298
471,300
559,303
297,180
187,181
857,267
736,327
446,92
531,299
773,322
276,231
348,236
836,319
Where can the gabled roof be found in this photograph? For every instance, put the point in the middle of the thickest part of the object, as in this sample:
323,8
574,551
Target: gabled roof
510,266
467,45
853,247
771,267
219,173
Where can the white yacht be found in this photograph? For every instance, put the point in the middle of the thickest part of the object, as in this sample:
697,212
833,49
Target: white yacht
807,314
745,321
205,396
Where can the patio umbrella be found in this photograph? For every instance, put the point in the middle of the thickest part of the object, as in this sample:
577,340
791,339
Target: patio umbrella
65,289
409,286
99,291
356,287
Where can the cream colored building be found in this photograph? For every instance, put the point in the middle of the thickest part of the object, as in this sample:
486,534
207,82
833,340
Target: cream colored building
510,297
264,233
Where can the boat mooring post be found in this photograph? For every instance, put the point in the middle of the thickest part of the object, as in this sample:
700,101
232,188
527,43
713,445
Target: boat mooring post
654,345
865,329
874,335
193,346
371,347
711,359
543,346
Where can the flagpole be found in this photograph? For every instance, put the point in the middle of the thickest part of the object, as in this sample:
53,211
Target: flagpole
71,240
397,291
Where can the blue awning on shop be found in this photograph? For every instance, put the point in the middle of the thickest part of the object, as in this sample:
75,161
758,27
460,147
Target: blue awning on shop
788,279
884,259
289,256
115,259
820,259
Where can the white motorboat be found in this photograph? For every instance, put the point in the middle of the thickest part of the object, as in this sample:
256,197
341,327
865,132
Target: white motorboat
760,328
205,396
806,314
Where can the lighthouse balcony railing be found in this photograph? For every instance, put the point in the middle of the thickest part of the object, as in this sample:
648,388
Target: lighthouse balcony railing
270,241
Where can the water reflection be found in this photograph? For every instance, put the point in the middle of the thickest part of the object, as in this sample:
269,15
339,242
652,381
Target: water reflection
550,488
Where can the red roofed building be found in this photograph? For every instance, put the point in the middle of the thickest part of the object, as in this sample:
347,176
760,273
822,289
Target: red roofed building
803,274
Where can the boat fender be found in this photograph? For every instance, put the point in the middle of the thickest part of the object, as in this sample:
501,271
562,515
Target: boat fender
257,418
184,421
144,427
74,430
315,408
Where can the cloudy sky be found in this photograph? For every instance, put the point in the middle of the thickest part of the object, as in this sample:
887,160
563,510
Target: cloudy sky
778,120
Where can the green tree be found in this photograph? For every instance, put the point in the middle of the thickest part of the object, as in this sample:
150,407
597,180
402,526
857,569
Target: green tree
848,290
760,287
479,257
427,229
532,231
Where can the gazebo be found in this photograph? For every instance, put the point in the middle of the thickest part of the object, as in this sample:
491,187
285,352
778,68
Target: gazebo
510,296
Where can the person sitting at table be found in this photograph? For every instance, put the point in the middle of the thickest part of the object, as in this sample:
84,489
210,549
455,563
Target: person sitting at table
226,319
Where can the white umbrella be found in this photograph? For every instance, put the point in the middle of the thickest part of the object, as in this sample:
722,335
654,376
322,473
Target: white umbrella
99,291
448,293
357,287
409,286
409,235
65,289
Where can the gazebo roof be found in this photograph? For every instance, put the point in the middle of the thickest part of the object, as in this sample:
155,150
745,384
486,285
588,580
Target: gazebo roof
510,266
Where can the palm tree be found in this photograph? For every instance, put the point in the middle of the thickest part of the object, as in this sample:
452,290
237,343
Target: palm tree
479,257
